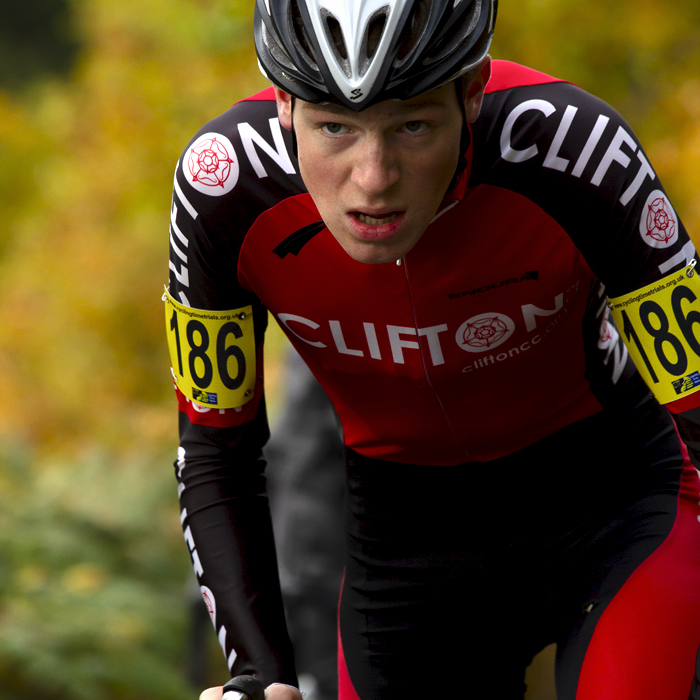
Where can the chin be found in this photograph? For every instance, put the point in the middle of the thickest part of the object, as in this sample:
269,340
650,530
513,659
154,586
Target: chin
371,255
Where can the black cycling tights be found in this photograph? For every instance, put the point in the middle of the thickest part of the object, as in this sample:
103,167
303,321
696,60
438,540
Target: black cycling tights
457,576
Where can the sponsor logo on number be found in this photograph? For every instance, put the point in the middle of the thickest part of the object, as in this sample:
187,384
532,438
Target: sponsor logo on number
659,224
210,165
205,397
484,332
686,383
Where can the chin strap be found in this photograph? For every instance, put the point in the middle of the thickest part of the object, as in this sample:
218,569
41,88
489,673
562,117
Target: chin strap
464,140
295,150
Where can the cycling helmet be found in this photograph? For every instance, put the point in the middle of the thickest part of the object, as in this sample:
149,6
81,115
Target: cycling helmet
359,52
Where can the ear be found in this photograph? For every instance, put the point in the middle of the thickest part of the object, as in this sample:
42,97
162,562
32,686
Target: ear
284,107
475,92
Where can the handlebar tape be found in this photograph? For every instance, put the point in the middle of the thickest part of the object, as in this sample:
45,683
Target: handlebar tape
244,688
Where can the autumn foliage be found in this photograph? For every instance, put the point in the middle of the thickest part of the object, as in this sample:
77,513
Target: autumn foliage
91,558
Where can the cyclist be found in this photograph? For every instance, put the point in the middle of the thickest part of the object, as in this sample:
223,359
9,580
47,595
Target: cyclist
437,254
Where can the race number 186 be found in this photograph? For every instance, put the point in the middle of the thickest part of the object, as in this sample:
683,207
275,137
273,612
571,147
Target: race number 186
660,324
212,353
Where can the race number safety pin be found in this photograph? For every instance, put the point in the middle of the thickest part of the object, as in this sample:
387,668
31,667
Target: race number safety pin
660,324
212,353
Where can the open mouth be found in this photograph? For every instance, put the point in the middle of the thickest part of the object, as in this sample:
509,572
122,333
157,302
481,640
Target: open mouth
376,221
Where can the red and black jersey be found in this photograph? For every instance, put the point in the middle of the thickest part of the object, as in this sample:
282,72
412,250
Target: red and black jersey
490,335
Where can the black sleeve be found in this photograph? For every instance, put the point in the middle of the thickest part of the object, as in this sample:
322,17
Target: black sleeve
227,527
218,194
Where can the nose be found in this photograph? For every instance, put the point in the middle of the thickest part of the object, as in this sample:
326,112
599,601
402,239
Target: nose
375,169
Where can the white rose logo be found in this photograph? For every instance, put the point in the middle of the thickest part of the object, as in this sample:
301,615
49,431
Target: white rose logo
659,224
210,165
210,602
484,332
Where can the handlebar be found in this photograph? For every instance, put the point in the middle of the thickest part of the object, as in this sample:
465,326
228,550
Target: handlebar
244,688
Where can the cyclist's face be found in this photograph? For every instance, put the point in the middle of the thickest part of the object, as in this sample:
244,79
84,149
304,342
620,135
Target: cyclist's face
378,176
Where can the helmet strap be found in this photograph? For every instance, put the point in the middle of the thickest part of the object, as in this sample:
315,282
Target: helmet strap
465,137
295,149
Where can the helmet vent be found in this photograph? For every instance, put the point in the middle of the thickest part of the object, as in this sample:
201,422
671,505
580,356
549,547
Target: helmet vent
336,40
375,30
452,39
299,36
275,50
336,34
415,29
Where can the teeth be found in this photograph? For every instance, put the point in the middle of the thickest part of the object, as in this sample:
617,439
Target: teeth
376,222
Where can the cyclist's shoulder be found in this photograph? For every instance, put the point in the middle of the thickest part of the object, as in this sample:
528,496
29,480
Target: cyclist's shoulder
529,103
506,75
256,110
534,125
225,129
567,154
511,82
238,163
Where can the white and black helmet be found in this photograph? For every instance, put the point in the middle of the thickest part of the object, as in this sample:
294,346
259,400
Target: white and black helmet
359,52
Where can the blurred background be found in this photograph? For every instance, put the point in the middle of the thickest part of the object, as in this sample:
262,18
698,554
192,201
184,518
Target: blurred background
97,100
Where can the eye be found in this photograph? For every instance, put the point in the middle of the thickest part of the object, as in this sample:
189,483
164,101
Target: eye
334,129
415,127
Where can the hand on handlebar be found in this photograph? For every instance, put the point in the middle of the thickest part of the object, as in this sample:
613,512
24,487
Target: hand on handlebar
276,691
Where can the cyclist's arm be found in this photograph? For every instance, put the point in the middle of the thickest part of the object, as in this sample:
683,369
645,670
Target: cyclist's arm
576,158
224,508
649,256
226,521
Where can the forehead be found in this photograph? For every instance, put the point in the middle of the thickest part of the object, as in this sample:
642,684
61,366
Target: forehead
441,98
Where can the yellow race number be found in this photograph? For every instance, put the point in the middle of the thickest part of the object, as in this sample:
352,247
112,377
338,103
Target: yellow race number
212,353
660,324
